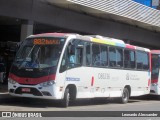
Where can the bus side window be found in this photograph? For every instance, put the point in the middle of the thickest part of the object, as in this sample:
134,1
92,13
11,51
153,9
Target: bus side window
79,55
75,53
88,55
129,59
96,55
133,61
104,55
64,61
68,58
71,55
119,54
112,57
142,60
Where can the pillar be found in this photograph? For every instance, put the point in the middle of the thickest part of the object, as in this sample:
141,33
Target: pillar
26,29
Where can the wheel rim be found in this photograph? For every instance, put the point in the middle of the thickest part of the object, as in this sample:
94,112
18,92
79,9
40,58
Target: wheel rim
125,96
68,97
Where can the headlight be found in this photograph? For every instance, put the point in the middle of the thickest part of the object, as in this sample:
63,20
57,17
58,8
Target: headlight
11,81
48,83
154,84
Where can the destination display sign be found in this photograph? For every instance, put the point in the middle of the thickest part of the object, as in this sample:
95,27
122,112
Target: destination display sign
45,41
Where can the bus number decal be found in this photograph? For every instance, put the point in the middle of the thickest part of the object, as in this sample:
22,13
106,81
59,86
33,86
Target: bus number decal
103,76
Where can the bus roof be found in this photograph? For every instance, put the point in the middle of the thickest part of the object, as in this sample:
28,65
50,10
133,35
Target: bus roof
52,35
116,42
155,51
94,38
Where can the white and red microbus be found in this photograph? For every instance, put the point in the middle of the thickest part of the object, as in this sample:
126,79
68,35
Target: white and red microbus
71,66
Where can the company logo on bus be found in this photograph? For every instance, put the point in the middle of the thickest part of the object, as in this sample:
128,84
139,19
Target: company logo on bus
130,76
29,69
127,76
72,79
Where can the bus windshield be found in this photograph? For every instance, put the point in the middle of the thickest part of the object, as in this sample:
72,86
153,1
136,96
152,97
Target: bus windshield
155,66
40,52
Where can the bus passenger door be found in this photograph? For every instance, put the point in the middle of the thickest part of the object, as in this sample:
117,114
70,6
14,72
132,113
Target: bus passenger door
74,68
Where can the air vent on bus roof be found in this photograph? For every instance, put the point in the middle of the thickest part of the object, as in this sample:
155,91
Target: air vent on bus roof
108,38
117,40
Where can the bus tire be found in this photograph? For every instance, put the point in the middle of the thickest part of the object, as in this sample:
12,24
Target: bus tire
125,96
66,98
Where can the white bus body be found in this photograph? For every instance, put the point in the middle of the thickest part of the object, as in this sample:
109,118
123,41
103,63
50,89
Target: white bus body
101,68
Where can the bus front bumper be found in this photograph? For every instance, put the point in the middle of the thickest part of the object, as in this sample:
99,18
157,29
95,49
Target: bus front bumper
35,91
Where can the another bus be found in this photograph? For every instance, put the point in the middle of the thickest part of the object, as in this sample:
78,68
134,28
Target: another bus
71,66
155,78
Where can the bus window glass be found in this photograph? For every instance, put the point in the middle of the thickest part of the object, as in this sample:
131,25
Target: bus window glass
79,53
103,56
112,57
142,60
76,58
39,54
88,55
119,57
132,59
96,55
155,66
145,61
64,62
129,59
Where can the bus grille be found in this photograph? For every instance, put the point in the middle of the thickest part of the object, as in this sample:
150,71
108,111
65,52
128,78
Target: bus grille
33,91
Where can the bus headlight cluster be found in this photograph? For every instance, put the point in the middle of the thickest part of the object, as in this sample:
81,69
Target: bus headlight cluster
48,83
11,81
154,84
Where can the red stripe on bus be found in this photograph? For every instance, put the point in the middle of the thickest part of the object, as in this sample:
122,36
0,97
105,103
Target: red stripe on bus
154,81
32,81
150,61
130,46
92,81
149,82
155,51
51,34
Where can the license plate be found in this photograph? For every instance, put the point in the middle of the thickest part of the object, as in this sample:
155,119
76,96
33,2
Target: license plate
26,89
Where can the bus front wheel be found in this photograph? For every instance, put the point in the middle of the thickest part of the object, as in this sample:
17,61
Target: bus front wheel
66,98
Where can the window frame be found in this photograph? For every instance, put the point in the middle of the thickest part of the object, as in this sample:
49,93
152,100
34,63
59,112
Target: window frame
147,59
135,63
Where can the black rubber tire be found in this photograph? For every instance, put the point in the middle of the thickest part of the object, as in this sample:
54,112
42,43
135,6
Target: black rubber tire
125,96
66,98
